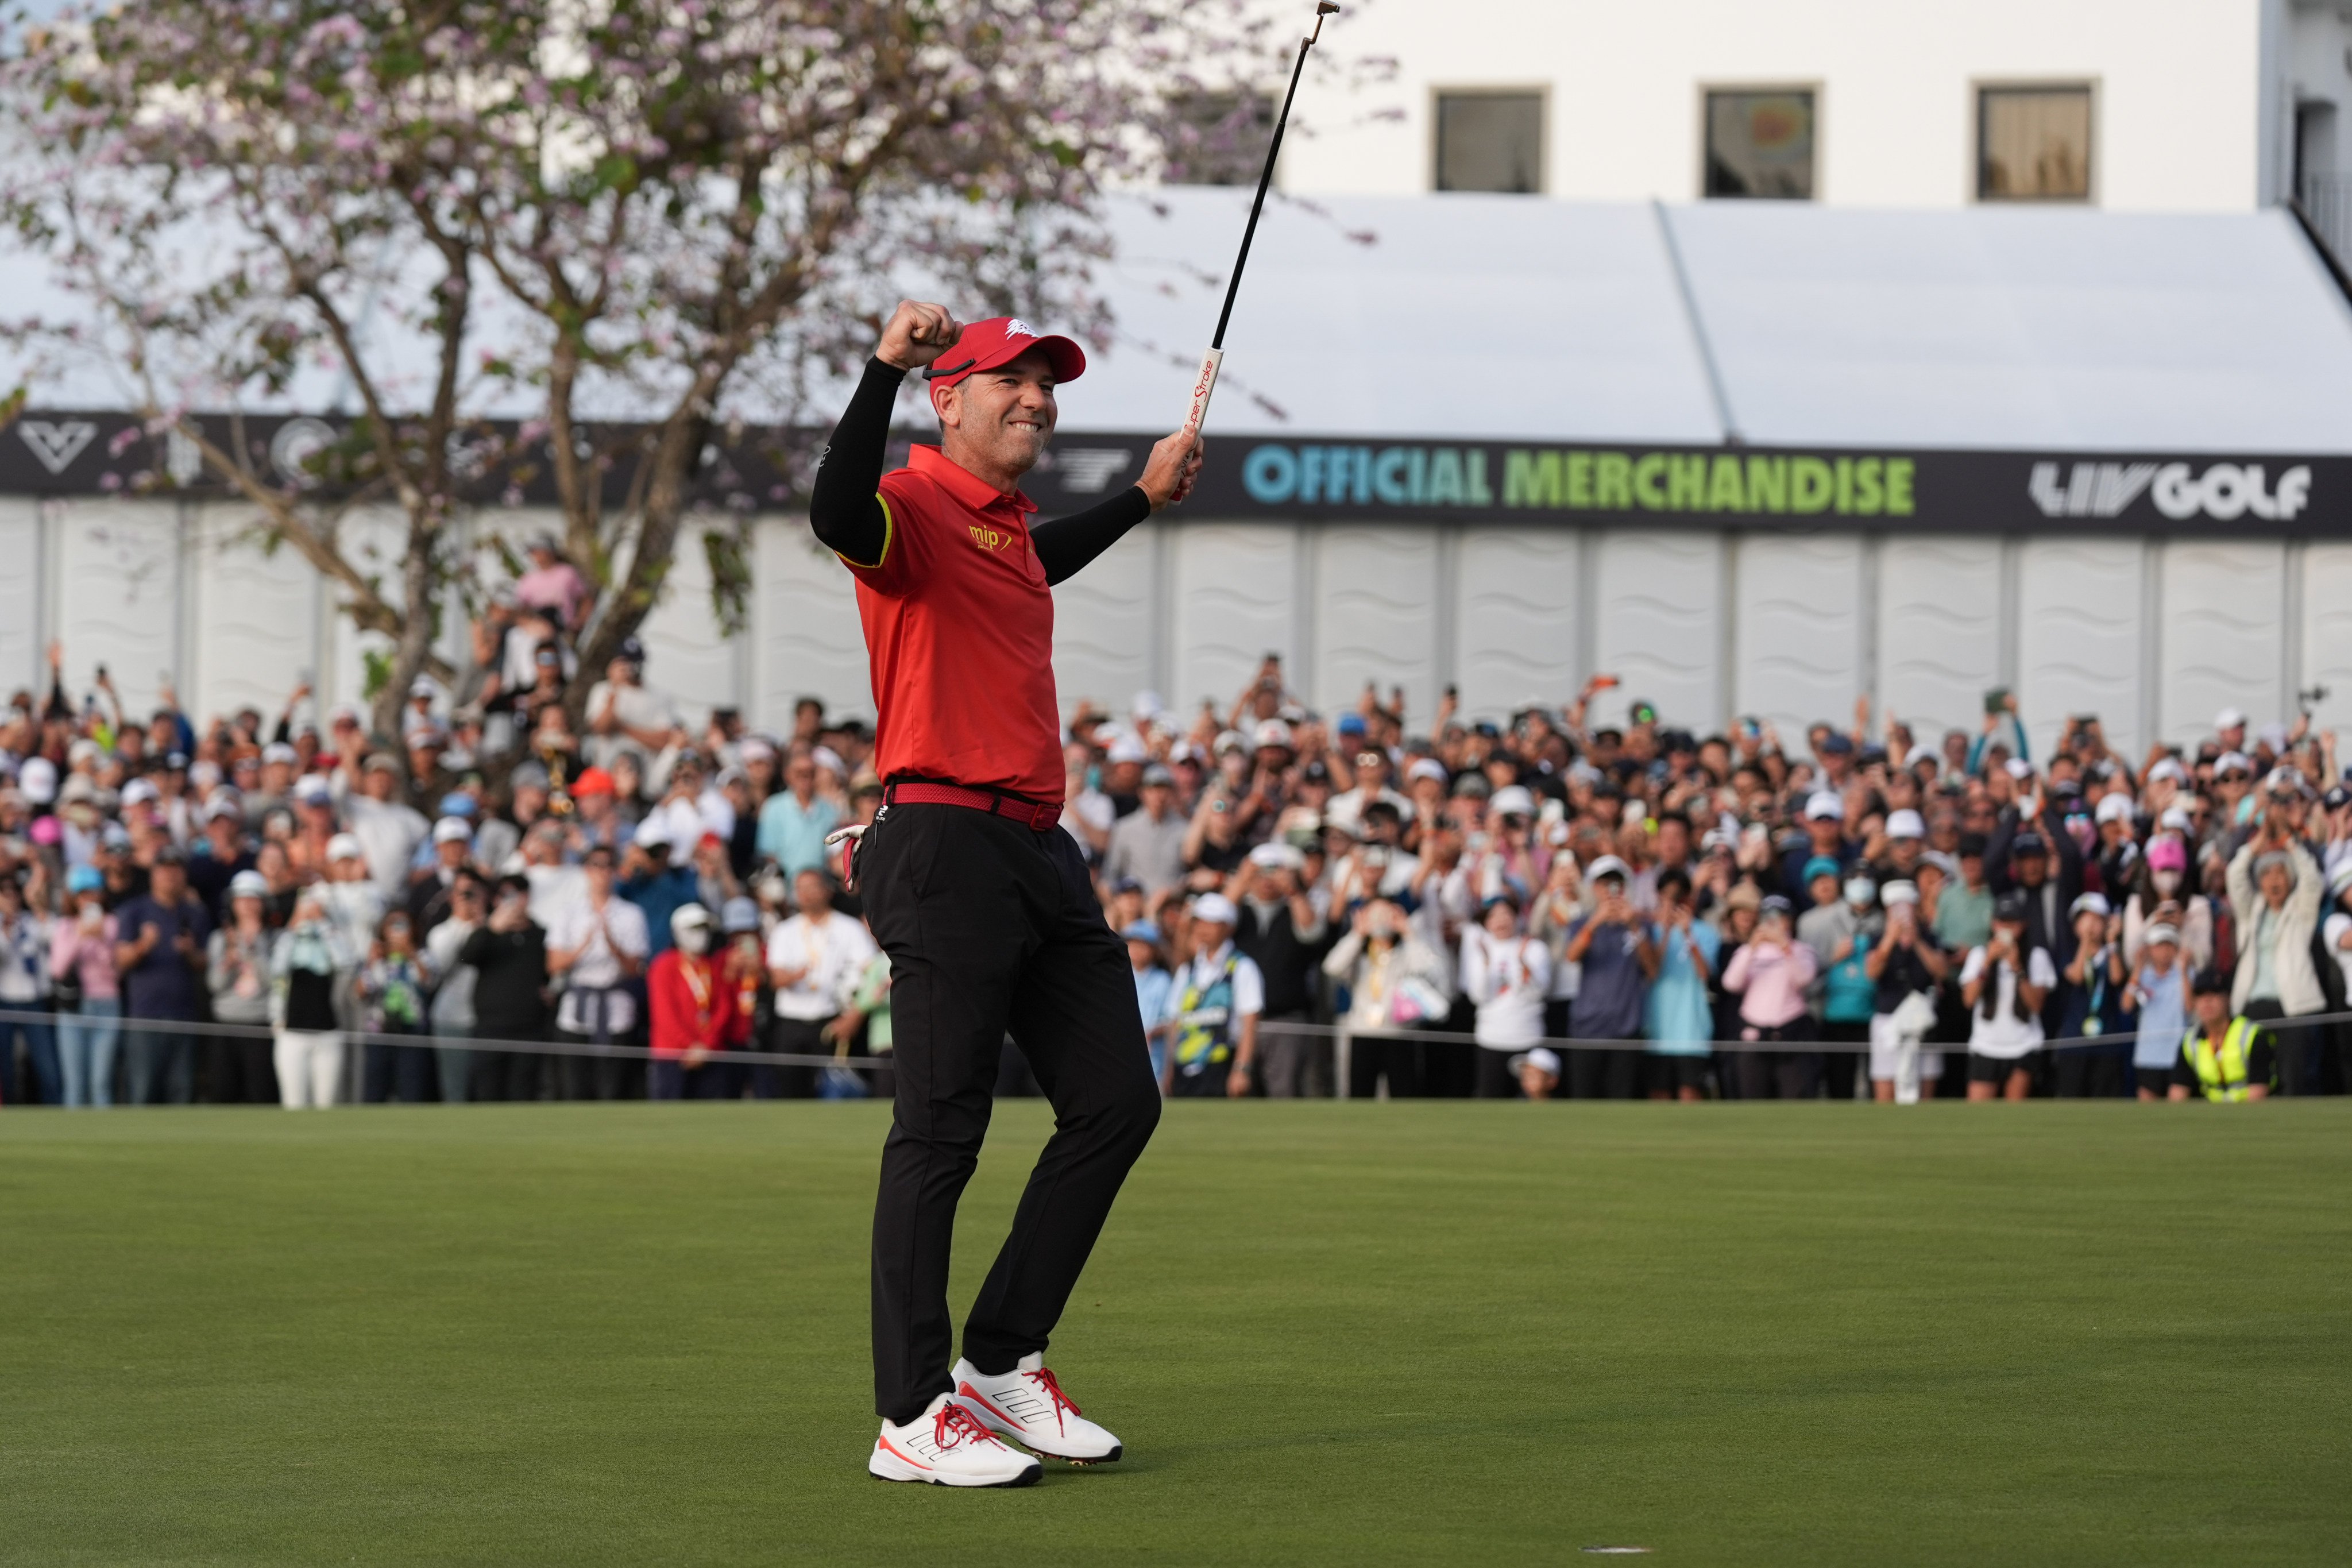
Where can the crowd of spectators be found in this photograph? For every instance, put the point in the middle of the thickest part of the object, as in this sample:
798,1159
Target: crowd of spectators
271,908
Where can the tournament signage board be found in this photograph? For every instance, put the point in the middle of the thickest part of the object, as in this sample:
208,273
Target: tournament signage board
1336,478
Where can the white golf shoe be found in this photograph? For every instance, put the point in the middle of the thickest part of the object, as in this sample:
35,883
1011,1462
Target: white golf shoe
948,1447
1028,1405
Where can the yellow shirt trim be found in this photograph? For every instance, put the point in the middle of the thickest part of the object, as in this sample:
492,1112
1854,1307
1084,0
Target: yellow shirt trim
889,531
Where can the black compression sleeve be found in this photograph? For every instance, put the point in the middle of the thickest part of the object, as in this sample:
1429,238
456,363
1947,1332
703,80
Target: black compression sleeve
1065,544
842,507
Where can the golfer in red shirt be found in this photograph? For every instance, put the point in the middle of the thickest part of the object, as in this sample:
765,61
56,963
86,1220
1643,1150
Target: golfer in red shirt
982,903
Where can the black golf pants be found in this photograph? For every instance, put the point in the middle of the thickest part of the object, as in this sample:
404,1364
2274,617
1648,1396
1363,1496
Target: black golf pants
993,927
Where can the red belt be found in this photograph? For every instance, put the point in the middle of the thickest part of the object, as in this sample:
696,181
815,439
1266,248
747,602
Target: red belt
1035,815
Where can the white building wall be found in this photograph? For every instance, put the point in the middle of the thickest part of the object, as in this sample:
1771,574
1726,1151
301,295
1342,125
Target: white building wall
22,595
2177,118
1377,619
2224,631
1516,617
257,614
1790,627
1659,607
1939,631
1799,622
2078,639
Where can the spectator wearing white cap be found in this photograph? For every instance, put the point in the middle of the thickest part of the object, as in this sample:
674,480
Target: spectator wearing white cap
1214,1007
1905,836
1279,928
1906,967
2230,730
352,896
1619,955
2093,1002
2158,999
1824,839
430,895
1506,974
1148,843
238,973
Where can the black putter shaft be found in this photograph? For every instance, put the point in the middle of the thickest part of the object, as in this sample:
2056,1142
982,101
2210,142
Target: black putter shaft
1205,382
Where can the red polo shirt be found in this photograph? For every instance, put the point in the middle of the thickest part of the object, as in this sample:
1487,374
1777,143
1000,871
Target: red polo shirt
959,634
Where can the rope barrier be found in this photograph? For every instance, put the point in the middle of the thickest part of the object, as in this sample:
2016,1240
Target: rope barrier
1285,1025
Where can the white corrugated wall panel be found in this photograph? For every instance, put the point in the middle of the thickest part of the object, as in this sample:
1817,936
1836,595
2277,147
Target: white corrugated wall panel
2327,636
807,639
1103,626
1376,617
22,663
1515,637
2078,639
1939,631
256,612
1798,655
374,541
118,586
2224,632
687,660
1660,633
1234,602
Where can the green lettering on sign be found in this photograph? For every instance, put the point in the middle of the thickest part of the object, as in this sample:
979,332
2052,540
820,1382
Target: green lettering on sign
1613,482
1723,489
1869,498
1898,487
1811,484
1767,484
1531,478
1446,477
1646,475
1686,481
1479,495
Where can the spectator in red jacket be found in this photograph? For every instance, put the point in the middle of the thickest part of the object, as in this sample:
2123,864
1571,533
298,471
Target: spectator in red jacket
691,1011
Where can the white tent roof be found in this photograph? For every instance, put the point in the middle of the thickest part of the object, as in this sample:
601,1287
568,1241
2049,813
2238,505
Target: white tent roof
1503,317
1516,316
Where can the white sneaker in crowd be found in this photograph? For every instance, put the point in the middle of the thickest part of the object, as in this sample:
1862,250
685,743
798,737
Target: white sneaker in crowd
948,1447
1028,1405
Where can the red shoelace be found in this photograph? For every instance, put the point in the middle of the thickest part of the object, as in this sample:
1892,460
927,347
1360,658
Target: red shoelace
953,1423
1044,1378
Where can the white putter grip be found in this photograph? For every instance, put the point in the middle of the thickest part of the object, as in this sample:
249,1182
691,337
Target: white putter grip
1203,385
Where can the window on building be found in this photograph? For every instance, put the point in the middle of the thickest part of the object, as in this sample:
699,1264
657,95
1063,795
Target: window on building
1760,144
1217,139
2034,145
1490,142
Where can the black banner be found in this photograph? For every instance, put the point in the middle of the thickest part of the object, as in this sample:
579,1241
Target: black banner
1336,478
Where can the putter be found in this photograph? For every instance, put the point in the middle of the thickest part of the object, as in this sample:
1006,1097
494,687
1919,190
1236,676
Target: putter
1205,382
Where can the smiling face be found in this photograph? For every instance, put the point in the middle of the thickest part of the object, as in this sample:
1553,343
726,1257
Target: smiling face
996,423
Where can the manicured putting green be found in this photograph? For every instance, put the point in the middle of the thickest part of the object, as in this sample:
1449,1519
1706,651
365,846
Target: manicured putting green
1350,1333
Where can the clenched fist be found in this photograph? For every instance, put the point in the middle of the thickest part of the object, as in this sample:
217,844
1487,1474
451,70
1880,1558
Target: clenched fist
918,334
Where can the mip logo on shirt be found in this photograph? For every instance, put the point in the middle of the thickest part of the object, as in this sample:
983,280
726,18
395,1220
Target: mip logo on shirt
989,537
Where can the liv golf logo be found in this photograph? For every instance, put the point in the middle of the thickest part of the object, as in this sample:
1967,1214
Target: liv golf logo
2223,492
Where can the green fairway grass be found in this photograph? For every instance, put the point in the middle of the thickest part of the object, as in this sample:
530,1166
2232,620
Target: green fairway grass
1346,1334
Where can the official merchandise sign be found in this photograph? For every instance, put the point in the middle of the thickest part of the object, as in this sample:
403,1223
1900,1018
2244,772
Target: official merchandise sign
1568,484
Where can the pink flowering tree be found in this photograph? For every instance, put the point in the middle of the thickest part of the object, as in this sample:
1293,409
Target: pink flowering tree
678,214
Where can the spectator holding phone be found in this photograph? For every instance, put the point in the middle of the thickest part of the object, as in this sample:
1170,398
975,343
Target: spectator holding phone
1770,975
2005,983
1618,954
2159,998
1905,967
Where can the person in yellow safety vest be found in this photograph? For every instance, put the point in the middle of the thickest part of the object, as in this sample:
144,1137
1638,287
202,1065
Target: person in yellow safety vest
2224,1058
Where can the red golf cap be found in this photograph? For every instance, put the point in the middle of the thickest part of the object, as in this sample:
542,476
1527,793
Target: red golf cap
591,781
1000,339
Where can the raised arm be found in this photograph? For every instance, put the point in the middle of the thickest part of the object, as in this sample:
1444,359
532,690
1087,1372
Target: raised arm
1067,544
